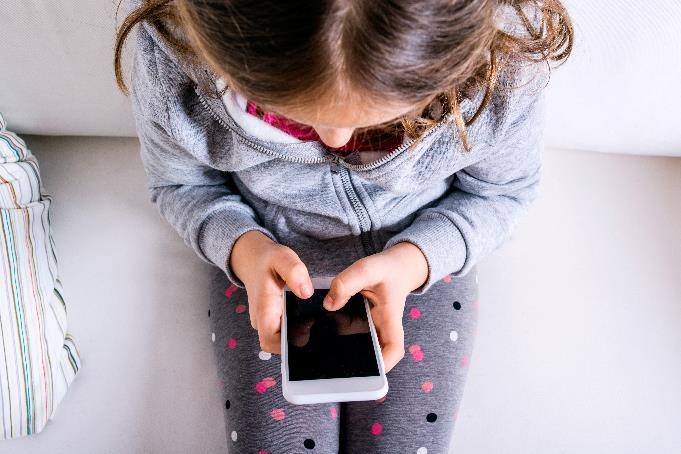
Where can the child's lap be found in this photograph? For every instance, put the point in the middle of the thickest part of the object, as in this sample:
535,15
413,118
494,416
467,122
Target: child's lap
425,387
257,417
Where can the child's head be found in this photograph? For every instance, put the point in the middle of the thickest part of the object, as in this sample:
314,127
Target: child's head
342,65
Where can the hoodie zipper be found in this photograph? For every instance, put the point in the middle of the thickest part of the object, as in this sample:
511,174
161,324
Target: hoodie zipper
256,145
333,158
358,206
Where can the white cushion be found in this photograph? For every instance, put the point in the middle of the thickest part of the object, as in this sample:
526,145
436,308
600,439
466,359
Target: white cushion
620,90
56,75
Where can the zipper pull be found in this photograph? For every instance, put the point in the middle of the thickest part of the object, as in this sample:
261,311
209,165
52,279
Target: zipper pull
335,163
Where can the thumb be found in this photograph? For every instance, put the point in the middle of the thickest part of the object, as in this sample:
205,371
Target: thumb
347,283
390,334
294,272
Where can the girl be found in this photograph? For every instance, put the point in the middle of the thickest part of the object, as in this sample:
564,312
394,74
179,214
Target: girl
389,144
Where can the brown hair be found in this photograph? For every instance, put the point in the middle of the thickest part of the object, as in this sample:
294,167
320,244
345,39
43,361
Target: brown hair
428,52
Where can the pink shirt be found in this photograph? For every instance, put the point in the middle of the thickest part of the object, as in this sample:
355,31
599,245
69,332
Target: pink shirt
377,141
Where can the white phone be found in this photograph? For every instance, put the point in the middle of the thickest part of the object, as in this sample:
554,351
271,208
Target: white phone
329,356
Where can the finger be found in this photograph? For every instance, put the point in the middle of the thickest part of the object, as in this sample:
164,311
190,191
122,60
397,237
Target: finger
348,282
390,334
252,313
294,273
269,322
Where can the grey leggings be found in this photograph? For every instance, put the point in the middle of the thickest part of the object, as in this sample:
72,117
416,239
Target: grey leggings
416,416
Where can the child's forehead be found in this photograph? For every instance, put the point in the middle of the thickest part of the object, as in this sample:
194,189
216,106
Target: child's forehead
339,105
347,113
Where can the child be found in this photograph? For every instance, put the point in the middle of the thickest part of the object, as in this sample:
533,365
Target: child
389,144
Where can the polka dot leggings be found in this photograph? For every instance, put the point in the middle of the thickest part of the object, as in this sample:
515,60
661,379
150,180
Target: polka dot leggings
417,414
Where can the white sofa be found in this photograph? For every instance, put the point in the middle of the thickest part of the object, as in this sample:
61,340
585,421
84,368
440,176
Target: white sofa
578,341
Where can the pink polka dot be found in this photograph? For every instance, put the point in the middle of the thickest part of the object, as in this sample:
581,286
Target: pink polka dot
376,428
334,413
447,278
278,414
415,313
240,308
264,384
416,352
476,305
262,452
381,400
464,361
231,343
229,290
427,386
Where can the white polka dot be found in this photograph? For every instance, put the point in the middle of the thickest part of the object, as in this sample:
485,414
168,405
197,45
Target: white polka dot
212,337
422,450
453,335
234,435
476,278
264,355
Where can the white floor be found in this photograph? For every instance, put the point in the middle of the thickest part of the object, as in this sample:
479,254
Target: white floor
579,339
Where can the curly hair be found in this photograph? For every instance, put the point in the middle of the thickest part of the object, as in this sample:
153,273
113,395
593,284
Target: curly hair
431,53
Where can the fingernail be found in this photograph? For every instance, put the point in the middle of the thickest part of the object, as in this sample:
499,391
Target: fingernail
328,302
305,290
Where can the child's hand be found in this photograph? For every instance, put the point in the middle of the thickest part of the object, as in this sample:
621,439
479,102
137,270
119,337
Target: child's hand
385,279
265,267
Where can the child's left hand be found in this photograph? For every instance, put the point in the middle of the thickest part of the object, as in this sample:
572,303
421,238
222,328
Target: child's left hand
385,279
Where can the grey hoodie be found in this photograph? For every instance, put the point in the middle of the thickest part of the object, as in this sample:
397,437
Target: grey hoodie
213,181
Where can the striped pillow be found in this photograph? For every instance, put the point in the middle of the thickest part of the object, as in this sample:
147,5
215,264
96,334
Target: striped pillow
38,358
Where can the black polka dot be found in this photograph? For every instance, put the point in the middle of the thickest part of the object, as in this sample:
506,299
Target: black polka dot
209,312
431,417
309,443
457,305
228,404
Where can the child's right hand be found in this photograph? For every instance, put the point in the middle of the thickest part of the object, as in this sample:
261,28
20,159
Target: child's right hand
265,267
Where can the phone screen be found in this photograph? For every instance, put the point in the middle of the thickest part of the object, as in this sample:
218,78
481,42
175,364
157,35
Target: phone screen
328,344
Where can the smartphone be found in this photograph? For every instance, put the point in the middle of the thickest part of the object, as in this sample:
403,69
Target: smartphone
329,356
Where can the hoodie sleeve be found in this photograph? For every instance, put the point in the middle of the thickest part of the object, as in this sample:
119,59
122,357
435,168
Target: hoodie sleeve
483,201
200,202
